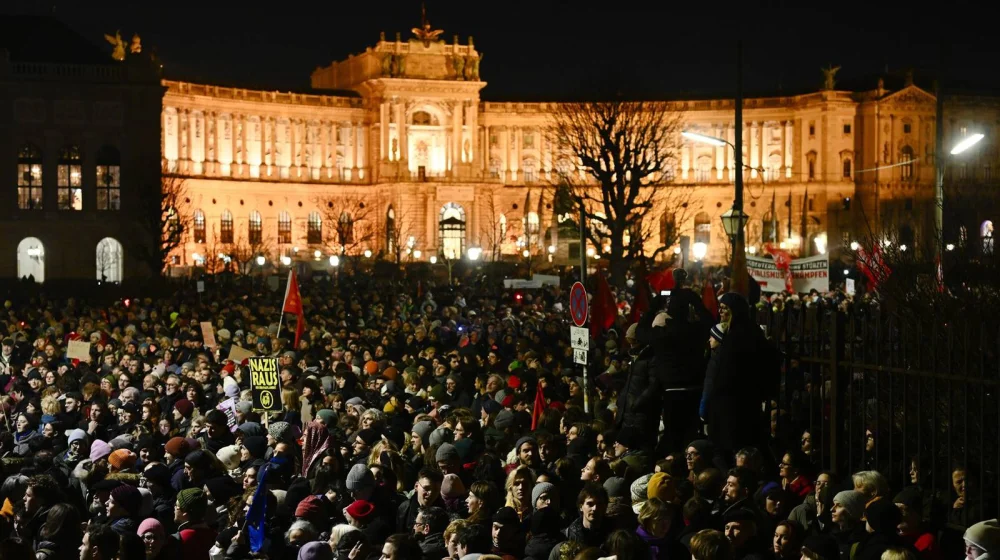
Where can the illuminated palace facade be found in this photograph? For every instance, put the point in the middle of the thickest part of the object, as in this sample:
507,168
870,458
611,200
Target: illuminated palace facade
407,146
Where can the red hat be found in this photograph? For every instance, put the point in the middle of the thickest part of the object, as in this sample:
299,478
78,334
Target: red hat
178,447
185,407
229,368
507,401
360,509
514,382
312,506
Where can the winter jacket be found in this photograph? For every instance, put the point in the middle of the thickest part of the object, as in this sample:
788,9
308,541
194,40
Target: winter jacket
639,399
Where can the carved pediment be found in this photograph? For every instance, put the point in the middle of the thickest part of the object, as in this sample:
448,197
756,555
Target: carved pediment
909,96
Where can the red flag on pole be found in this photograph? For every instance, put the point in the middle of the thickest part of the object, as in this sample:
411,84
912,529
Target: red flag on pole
603,308
710,299
293,304
661,279
538,407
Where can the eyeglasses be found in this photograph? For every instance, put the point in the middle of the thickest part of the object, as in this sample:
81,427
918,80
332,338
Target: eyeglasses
692,454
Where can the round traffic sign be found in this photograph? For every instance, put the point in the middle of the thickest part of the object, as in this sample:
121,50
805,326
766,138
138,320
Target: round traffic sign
578,304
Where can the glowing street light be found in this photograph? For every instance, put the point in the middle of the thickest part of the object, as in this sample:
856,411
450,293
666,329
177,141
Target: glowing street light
434,259
700,250
334,261
967,143
474,253
695,137
286,260
368,253
261,260
417,253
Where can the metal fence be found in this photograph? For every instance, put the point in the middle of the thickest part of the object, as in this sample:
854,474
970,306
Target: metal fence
916,399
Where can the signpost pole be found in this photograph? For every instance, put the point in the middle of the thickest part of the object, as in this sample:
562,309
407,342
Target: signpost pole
583,280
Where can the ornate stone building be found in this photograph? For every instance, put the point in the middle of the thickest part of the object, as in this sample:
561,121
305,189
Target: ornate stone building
397,152
81,154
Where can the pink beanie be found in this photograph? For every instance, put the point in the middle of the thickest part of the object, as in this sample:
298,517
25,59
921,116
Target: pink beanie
99,450
152,525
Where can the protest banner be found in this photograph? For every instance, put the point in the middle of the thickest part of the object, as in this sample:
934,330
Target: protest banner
264,383
807,274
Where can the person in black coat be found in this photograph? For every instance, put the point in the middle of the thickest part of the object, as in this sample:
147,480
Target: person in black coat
747,372
639,400
679,347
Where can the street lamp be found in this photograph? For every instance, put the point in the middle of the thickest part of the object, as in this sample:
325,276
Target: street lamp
474,253
434,259
734,220
261,260
701,138
334,261
967,143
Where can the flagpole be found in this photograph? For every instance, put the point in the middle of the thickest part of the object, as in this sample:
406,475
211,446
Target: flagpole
288,286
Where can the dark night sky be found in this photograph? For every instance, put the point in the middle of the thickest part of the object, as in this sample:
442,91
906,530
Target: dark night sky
539,50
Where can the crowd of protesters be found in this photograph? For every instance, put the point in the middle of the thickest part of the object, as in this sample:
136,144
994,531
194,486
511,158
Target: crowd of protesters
423,422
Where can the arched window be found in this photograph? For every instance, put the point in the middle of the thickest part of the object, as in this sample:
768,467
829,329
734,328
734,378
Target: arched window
284,227
29,177
68,177
199,226
703,228
314,230
31,259
906,159
986,236
451,230
423,118
255,228
668,229
345,228
226,227
109,260
109,179
532,227
390,230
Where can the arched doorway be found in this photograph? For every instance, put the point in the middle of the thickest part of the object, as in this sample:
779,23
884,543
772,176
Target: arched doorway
390,231
31,259
451,230
109,260
986,235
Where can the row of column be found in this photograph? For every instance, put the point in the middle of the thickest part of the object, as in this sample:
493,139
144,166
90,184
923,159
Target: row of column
756,144
246,145
462,144
510,141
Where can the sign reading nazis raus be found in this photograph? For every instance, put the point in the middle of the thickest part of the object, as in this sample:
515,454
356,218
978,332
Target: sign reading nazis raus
265,384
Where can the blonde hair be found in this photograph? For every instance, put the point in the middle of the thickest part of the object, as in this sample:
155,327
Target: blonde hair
898,554
870,483
652,510
709,544
521,472
454,527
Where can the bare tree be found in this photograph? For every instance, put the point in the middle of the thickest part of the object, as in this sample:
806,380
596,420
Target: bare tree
355,223
398,233
162,224
492,229
614,156
243,252
109,255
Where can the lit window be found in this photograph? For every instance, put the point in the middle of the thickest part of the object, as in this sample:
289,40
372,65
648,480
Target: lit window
199,226
68,178
109,179
255,229
29,178
284,227
226,227
314,233
345,229
847,169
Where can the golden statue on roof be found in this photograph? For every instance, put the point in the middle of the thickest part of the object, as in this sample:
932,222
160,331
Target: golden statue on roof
424,32
119,52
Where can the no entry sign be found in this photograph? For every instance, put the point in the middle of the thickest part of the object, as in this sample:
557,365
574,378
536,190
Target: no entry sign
578,304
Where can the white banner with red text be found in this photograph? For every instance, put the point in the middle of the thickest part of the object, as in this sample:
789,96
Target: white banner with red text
811,273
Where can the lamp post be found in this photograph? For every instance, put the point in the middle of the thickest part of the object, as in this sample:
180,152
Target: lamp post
735,219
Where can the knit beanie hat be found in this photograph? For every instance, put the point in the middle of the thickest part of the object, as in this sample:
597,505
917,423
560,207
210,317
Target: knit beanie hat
853,501
99,450
452,487
229,456
316,550
122,459
441,435
192,500
883,516
360,478
327,417
424,429
199,459
640,490
281,431
123,441
360,509
231,387
146,507
158,474
657,486
256,445
76,435
370,436
310,507
152,526
504,419
446,452
985,535
178,447
223,488
522,441
185,407
616,487
540,489
704,448
128,497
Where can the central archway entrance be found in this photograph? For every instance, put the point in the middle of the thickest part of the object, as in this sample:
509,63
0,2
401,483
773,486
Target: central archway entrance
451,231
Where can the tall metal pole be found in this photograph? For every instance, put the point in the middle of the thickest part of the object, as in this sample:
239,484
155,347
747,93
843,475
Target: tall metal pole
738,280
583,280
939,162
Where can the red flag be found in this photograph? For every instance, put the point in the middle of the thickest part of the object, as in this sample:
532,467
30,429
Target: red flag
872,266
661,280
538,407
641,303
293,304
710,299
603,309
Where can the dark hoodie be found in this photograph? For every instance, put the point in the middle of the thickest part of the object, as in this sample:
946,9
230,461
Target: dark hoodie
883,517
545,534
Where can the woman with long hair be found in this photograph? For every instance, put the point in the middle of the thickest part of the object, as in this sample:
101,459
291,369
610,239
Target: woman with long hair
518,487
483,501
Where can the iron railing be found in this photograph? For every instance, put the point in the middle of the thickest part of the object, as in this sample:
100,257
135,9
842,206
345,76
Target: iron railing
926,390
